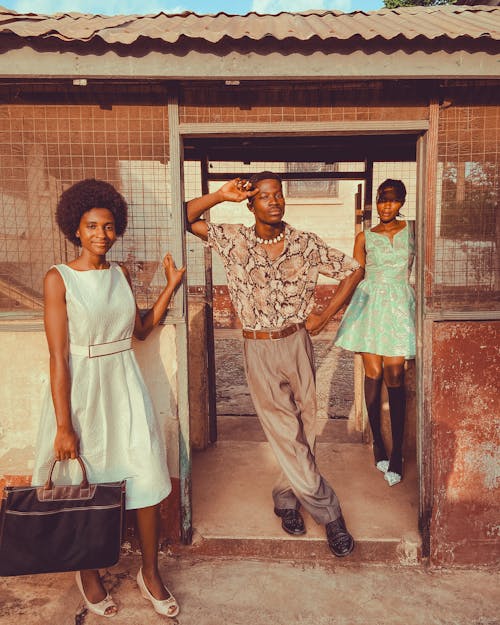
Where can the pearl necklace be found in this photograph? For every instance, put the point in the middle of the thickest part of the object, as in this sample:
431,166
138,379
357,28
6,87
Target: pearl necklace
271,241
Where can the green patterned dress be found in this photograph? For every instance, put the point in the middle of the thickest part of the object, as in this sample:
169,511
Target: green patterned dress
381,316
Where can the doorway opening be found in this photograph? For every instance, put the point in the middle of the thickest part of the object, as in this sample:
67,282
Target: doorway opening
329,184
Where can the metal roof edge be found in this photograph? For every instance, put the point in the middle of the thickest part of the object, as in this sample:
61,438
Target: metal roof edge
389,25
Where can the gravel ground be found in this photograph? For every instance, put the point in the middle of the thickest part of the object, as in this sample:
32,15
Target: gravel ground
230,591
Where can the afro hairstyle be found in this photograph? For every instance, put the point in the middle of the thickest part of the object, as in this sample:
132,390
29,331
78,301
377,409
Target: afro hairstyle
84,196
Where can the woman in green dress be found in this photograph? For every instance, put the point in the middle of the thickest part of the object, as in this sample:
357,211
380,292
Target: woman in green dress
380,320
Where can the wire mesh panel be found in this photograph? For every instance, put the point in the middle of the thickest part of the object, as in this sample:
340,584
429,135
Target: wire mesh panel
194,246
312,205
467,228
405,171
44,150
146,186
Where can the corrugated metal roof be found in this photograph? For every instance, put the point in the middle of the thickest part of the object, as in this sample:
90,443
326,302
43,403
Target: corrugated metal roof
448,22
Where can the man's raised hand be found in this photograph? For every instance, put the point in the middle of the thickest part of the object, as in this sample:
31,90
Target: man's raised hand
237,190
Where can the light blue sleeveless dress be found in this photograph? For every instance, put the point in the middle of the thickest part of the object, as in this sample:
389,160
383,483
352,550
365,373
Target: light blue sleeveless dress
111,409
380,318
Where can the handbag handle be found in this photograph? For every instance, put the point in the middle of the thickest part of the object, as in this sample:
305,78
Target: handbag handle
84,483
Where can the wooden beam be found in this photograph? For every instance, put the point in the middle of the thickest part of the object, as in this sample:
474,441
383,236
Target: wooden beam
233,65
276,129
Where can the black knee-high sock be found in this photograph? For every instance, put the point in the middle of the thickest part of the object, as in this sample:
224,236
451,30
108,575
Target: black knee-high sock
397,406
372,399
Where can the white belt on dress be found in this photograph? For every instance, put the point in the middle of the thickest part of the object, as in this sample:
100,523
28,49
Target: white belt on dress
101,349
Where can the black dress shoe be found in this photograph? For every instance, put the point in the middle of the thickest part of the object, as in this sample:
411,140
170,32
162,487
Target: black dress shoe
291,521
341,543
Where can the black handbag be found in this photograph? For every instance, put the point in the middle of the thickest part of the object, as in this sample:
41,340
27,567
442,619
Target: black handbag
51,529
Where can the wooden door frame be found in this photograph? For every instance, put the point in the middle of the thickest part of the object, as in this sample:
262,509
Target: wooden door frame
177,133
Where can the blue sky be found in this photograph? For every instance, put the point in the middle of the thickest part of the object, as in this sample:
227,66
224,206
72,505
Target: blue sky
115,7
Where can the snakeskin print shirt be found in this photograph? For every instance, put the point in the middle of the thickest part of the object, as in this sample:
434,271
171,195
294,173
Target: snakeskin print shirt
270,294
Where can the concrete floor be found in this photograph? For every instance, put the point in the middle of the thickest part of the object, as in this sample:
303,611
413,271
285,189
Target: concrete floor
257,575
383,520
230,591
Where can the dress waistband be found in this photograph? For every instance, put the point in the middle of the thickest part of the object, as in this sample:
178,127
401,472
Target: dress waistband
101,349
401,275
273,334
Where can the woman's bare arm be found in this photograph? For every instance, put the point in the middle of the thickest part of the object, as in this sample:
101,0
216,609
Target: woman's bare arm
66,443
359,252
143,325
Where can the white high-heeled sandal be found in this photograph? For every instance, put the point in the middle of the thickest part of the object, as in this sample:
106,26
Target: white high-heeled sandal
166,607
392,478
382,465
100,607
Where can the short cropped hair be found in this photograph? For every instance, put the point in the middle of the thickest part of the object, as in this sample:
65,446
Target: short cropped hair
397,185
263,175
84,196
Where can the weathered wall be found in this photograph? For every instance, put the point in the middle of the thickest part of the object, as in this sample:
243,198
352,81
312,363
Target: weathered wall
465,442
198,374
24,366
334,101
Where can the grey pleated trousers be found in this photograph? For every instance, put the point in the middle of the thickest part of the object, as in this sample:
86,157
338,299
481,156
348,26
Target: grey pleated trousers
281,379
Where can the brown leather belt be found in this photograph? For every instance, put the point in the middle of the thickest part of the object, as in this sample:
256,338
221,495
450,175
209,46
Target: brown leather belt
273,334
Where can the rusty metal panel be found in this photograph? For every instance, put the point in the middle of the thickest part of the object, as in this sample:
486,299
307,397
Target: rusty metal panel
403,24
465,443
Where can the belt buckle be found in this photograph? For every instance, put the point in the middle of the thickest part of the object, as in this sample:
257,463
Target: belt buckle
98,350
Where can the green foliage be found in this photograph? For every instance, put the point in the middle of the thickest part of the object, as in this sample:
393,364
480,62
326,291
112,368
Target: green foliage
395,4
470,200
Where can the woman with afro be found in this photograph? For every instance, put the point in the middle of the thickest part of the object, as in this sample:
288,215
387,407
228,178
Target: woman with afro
99,407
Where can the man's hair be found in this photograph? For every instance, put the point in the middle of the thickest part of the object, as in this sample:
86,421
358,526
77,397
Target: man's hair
263,175
397,185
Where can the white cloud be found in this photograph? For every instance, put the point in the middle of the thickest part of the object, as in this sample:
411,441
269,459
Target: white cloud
100,7
128,7
276,6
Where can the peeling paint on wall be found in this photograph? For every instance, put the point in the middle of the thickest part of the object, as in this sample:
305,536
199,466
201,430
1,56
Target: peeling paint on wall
466,443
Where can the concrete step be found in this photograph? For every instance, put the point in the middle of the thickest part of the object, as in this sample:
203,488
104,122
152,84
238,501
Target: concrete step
233,509
406,551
